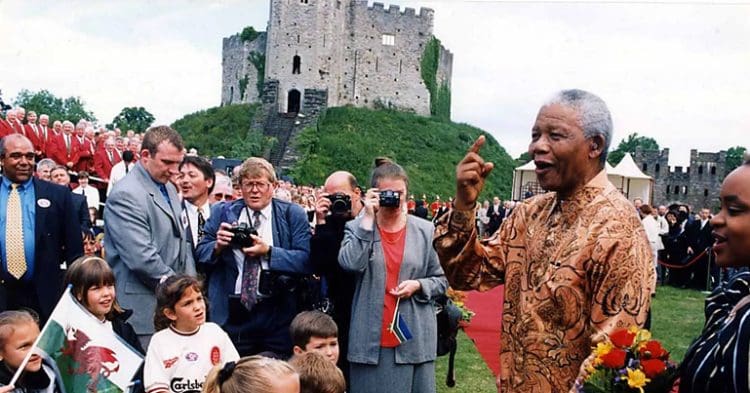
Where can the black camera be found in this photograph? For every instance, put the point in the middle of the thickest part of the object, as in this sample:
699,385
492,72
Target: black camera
389,198
341,203
241,235
272,283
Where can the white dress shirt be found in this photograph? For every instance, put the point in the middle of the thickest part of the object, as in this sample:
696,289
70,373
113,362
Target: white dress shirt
191,214
265,232
91,194
118,173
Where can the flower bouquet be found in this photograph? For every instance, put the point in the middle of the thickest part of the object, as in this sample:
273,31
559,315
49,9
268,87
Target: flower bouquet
629,361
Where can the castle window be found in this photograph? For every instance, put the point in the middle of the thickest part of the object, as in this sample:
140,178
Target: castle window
400,62
231,93
656,169
713,170
668,189
389,39
645,167
684,190
700,170
303,1
338,4
298,38
705,192
296,61
376,64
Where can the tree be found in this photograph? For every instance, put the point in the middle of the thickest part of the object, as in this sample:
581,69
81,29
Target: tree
44,102
735,156
629,144
523,158
132,118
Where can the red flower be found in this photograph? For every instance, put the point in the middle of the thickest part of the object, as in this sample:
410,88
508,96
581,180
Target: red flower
622,338
653,350
614,359
653,367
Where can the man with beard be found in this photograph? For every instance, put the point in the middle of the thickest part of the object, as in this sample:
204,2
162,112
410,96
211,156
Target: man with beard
332,212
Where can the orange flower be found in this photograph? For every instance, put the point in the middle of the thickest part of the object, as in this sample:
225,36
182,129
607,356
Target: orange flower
653,350
622,338
653,367
614,359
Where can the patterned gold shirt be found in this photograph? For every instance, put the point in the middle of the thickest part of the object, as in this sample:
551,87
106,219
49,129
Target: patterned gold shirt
574,270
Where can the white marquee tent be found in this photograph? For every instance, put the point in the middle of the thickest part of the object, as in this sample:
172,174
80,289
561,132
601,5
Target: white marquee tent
632,182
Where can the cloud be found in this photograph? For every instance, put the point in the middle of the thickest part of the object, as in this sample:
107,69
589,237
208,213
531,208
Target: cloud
672,71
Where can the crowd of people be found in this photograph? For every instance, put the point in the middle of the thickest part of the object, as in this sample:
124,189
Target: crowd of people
230,281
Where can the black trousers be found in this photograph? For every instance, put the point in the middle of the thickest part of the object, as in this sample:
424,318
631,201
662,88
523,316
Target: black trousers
264,330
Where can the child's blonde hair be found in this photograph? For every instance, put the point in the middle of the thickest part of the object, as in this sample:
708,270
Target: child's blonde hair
249,374
9,320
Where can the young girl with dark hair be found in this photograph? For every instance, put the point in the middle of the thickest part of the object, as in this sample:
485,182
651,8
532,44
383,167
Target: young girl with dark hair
93,285
185,347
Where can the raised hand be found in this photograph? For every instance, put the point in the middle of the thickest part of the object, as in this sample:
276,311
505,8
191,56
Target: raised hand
470,175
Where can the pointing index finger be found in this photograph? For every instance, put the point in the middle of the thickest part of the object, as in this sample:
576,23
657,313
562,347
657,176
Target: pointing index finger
477,145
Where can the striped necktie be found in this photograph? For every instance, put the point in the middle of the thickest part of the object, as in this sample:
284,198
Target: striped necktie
14,245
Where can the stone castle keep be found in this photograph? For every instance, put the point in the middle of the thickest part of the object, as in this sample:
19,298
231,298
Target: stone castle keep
326,53
698,185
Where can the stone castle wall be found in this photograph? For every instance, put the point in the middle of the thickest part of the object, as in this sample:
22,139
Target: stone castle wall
362,56
237,70
698,185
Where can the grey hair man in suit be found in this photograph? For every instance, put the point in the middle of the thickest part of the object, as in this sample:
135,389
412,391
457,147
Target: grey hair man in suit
146,240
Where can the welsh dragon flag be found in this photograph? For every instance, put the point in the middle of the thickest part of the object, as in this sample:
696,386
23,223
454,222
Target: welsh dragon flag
89,355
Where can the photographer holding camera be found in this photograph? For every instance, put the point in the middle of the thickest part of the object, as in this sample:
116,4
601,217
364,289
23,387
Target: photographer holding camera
340,202
257,247
395,287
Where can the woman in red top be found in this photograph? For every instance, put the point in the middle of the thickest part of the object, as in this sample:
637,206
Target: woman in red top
393,331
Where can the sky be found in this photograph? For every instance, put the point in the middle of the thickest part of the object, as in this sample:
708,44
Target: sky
676,72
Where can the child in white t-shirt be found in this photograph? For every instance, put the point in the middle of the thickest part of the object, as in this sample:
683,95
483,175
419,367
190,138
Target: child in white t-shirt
186,347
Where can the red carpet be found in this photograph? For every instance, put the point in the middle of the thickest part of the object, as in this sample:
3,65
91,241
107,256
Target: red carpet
484,328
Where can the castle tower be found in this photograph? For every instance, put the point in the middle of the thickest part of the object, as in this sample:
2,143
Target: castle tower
304,51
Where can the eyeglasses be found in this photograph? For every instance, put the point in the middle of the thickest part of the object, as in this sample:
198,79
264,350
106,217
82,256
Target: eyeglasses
18,156
261,186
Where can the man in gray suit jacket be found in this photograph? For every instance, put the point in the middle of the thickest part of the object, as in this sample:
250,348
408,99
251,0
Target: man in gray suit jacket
146,239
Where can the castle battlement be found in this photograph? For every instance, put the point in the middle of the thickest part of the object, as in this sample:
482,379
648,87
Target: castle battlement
359,54
697,184
395,10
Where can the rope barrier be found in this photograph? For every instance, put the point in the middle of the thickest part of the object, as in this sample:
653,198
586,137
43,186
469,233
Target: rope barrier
690,263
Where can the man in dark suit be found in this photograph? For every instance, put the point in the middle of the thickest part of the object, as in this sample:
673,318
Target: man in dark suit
196,182
699,238
59,175
34,249
251,287
496,213
324,251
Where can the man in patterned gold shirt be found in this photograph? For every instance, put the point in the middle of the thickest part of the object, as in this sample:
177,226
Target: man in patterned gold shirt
575,261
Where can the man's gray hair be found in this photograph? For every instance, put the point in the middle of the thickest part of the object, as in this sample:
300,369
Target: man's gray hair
45,163
594,115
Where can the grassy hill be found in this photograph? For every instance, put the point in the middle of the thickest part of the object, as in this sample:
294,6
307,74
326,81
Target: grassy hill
349,139
223,131
429,149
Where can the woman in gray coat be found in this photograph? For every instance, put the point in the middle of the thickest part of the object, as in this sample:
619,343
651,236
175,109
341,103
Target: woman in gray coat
394,282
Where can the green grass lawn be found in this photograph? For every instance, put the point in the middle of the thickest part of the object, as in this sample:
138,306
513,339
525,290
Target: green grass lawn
677,318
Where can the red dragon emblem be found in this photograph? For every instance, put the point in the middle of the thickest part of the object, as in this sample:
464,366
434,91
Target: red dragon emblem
92,360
